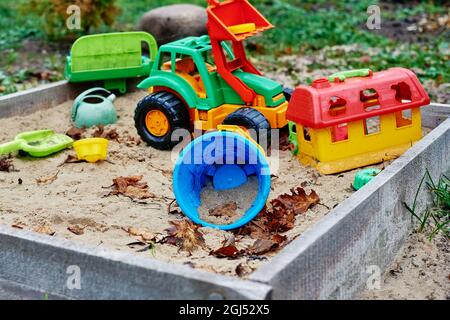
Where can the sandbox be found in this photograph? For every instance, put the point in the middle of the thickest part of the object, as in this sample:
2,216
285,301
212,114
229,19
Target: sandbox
326,254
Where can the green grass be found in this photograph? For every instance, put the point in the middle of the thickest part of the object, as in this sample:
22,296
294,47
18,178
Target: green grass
302,27
437,216
14,26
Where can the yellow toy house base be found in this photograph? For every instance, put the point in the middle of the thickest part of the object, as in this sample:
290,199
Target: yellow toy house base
341,126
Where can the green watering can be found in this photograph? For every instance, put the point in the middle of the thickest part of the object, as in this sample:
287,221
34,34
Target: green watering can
37,143
94,107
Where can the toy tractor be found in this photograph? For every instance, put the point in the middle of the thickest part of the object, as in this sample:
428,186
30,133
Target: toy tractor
205,82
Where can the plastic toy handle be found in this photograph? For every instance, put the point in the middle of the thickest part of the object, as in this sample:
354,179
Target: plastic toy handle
32,135
10,147
343,75
82,96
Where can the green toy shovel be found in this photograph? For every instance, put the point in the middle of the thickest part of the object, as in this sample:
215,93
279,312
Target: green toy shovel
37,143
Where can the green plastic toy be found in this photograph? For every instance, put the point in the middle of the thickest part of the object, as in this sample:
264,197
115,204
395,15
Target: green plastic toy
363,177
94,107
343,75
185,77
293,140
38,144
111,58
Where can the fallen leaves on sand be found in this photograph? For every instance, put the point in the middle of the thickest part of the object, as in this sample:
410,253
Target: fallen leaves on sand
47,179
144,234
228,249
45,229
230,252
131,187
227,209
278,217
298,201
110,134
6,165
76,133
76,229
278,238
185,235
262,246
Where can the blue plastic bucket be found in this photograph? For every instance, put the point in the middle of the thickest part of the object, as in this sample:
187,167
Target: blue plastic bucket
224,157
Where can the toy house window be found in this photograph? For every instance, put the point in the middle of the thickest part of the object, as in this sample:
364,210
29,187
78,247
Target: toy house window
402,92
372,125
369,98
306,134
339,132
337,106
403,118
294,128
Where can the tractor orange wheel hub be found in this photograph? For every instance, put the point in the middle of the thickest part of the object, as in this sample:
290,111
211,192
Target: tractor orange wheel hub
157,123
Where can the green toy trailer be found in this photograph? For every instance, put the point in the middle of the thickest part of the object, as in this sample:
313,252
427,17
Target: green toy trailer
111,58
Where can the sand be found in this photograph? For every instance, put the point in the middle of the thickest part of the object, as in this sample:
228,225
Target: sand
420,271
78,195
235,202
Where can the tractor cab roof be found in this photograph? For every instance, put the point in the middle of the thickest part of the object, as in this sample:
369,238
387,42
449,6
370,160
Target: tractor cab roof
189,45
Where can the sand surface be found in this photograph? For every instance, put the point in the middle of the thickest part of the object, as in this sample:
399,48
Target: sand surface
420,271
78,195
235,202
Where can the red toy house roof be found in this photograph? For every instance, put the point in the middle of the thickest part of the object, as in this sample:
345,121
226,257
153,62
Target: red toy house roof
325,103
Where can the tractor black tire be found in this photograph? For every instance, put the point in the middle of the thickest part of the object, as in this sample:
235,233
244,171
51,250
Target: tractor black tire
288,93
251,119
174,110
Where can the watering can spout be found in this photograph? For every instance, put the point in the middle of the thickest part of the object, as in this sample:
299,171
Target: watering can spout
111,97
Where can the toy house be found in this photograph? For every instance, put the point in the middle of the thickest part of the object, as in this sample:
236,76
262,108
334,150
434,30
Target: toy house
356,118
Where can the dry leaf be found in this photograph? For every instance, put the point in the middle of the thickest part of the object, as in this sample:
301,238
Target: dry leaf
227,209
279,218
138,193
110,134
6,165
243,270
298,200
256,229
18,226
47,179
185,235
71,159
229,240
262,246
144,234
76,133
230,252
279,239
45,229
132,187
134,231
76,229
